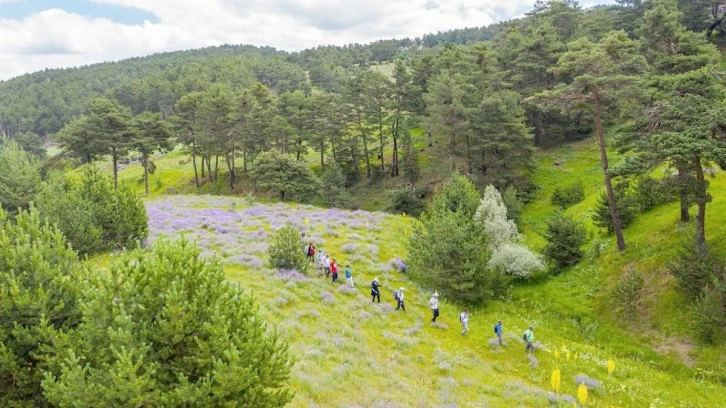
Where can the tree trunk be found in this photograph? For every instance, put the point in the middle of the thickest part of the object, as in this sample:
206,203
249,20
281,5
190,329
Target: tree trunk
299,148
468,152
282,195
365,147
209,167
322,152
702,197
203,166
380,140
216,167
194,163
114,157
683,193
452,144
145,162
394,164
536,118
230,166
606,173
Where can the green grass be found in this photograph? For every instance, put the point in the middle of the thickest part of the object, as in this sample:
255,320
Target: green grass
353,353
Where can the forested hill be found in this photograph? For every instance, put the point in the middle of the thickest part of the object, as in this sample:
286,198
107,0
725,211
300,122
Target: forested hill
42,102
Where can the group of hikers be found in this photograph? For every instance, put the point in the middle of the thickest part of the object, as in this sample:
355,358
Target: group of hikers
329,267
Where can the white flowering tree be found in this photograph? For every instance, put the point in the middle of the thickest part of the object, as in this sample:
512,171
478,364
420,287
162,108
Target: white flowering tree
507,254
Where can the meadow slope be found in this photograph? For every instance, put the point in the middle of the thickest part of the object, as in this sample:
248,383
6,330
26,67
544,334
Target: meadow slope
350,352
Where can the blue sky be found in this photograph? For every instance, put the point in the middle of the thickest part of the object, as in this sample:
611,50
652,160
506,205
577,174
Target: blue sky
40,34
19,9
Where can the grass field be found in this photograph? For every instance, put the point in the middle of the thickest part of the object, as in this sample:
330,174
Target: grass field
351,353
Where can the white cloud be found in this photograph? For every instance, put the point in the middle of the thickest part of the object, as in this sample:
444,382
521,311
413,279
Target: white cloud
56,38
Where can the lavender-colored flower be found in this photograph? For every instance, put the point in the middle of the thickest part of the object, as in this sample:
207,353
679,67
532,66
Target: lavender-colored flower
349,248
399,265
291,275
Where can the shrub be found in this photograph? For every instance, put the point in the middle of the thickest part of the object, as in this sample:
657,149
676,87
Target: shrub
405,200
38,299
624,203
166,328
564,238
62,203
626,293
457,195
650,192
286,249
568,195
709,313
19,176
278,172
93,215
513,203
695,267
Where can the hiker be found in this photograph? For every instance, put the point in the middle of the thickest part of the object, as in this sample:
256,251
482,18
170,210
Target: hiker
334,270
311,252
375,293
528,338
319,261
349,276
326,265
398,295
464,320
499,331
434,303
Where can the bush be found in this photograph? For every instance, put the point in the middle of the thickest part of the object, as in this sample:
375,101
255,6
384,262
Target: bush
457,195
709,313
61,203
19,176
286,249
404,200
93,215
564,238
333,192
166,328
626,293
650,192
513,203
38,299
625,204
695,268
569,195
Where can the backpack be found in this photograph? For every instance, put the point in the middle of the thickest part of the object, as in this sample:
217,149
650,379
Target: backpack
396,295
495,329
524,336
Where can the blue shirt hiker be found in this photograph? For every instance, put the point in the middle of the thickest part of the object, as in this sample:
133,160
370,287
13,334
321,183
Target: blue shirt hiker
349,276
499,331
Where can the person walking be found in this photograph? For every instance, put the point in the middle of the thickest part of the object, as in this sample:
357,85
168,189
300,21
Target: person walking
334,270
375,293
349,276
499,331
326,265
319,261
464,320
434,304
399,298
528,338
311,252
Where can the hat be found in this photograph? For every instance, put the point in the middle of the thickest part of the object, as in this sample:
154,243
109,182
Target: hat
375,279
531,327
436,294
499,321
401,288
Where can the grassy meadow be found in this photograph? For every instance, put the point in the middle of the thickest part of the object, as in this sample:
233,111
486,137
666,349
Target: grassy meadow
350,352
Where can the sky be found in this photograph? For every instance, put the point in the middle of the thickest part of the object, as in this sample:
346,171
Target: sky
39,34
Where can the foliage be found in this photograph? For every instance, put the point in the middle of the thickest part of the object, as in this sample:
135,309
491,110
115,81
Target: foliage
709,313
507,254
276,171
19,176
286,249
62,203
564,238
626,206
650,192
458,195
165,328
39,290
405,200
409,164
695,268
332,188
514,204
627,293
568,195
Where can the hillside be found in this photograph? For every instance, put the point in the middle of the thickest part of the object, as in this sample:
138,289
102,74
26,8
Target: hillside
350,352
399,359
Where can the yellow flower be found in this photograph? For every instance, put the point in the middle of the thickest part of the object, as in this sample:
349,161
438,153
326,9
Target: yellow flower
611,367
556,380
582,393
